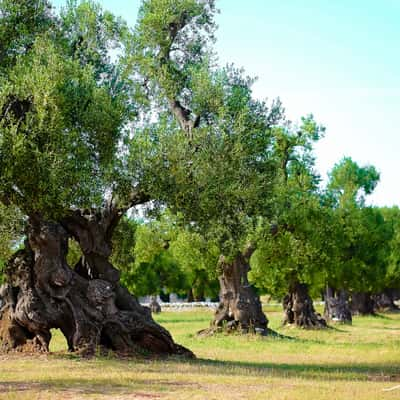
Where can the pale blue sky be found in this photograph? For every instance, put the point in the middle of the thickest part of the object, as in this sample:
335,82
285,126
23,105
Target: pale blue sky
339,60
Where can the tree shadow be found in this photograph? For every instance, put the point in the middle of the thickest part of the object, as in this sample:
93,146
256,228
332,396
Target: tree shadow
376,316
76,387
359,372
176,375
336,327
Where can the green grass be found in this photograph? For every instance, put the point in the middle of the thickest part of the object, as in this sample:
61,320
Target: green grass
343,362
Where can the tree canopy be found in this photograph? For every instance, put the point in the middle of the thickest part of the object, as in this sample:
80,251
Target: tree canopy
63,107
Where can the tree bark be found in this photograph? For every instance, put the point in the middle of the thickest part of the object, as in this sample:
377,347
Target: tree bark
155,307
299,309
362,304
199,296
337,308
190,296
385,301
240,306
88,304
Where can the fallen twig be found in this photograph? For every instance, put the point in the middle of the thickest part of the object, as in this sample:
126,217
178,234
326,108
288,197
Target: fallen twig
392,388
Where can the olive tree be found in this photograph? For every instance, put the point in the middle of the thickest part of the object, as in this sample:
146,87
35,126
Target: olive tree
294,245
65,109
213,141
361,241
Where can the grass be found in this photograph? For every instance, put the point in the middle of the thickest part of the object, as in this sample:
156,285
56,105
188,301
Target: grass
360,361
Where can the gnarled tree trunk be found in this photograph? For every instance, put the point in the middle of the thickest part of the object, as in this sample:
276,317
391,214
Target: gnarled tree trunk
240,306
299,309
384,301
337,308
154,305
87,303
362,304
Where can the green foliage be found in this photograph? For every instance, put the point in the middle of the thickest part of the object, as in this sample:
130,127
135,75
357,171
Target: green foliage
208,155
300,250
392,246
296,247
180,260
197,259
20,24
11,230
171,45
318,237
162,274
349,183
74,253
11,233
89,33
371,251
220,179
146,267
362,232
61,120
158,256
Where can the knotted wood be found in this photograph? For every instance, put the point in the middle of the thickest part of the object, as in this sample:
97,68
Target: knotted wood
87,303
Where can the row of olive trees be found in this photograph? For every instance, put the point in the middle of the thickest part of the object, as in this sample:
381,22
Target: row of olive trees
328,241
324,241
242,177
84,137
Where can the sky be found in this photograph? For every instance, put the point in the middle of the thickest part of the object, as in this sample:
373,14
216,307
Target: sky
338,60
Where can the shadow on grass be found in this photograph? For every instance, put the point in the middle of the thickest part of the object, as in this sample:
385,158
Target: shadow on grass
294,340
187,320
375,316
347,372
336,328
174,375
359,372
76,387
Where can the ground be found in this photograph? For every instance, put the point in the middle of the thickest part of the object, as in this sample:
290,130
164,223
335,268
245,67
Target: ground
361,361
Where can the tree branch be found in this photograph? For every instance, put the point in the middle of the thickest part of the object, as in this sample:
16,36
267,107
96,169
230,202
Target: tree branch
182,114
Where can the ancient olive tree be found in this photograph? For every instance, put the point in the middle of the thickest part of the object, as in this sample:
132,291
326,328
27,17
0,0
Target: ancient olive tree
294,249
390,291
214,144
64,110
362,242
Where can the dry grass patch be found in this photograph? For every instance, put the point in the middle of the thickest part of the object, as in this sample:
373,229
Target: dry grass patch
345,362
